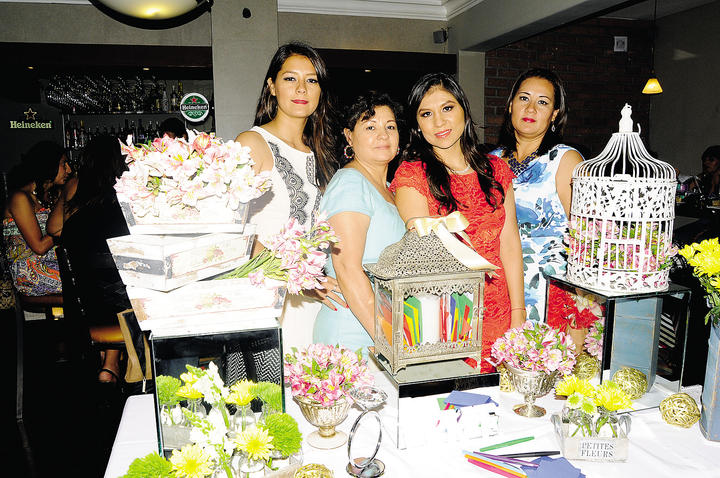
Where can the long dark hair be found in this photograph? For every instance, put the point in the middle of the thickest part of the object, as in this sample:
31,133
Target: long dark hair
475,153
320,130
100,166
39,165
507,138
363,108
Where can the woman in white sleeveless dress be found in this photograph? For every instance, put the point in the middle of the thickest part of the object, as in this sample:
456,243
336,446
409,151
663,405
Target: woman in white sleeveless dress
293,138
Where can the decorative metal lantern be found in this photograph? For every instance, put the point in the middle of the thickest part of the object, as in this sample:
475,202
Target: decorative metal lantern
428,305
621,218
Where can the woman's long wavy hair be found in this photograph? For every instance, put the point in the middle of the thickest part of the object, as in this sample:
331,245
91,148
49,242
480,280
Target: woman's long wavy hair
475,153
100,165
40,165
507,139
320,128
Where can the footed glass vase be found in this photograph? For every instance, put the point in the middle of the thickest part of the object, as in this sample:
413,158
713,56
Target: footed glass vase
531,384
326,418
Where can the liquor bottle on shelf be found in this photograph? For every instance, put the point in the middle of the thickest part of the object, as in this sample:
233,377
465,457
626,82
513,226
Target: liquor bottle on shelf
74,136
174,100
180,90
68,136
82,136
141,137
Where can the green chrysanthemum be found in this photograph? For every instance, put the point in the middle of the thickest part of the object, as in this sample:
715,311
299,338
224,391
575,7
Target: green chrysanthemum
287,437
167,388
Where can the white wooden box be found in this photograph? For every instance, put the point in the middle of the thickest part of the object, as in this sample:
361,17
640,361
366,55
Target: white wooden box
166,262
210,215
209,306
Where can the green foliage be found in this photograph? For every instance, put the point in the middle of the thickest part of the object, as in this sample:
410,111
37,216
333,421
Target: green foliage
151,466
270,394
167,388
285,432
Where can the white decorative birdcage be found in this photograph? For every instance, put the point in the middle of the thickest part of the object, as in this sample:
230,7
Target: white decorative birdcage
621,218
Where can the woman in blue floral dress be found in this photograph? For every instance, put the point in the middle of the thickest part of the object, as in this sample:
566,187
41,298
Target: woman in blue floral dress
529,141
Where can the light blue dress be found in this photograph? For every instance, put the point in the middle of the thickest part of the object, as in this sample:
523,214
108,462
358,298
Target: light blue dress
542,223
350,191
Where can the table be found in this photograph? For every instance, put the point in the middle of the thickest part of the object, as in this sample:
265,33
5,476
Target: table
656,448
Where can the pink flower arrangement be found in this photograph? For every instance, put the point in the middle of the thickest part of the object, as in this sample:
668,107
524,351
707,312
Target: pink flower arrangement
619,245
325,373
179,173
295,256
594,339
535,347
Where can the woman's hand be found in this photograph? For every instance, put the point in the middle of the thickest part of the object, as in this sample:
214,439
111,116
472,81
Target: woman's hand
328,294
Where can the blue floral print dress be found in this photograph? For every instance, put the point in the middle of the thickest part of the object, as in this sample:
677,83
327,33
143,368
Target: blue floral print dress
542,223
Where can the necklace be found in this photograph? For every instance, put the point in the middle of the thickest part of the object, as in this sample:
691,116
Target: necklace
467,168
518,167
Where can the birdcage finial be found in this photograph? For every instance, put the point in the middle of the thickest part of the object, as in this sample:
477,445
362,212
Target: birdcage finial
626,122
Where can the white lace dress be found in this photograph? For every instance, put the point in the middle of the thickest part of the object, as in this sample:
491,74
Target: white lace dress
293,193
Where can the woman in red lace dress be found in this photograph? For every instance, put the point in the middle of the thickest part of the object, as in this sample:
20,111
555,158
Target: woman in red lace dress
445,169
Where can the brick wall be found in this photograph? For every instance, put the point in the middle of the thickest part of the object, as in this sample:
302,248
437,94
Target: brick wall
598,81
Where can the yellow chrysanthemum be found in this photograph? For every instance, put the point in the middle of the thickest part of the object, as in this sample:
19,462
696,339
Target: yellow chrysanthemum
688,251
191,461
187,391
256,442
611,397
242,392
571,384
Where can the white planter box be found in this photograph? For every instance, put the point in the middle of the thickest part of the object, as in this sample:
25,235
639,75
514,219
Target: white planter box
208,307
210,215
166,262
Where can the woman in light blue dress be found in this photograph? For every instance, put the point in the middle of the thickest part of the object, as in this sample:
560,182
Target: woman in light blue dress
530,139
362,211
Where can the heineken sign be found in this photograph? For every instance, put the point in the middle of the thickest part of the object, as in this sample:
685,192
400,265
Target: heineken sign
30,122
194,107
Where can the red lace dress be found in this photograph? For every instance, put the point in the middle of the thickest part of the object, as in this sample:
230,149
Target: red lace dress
484,231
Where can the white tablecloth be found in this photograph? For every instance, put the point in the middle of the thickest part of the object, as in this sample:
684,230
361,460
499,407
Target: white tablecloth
656,448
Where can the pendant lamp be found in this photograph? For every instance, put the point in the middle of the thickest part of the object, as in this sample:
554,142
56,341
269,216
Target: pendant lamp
153,9
652,87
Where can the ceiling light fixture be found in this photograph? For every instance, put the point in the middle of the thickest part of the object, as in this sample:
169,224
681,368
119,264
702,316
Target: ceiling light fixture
652,87
154,9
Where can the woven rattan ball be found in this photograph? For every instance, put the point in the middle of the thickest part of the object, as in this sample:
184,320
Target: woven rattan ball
633,382
313,470
680,409
586,366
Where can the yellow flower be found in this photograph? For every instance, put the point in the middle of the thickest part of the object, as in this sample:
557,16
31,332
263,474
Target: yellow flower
187,391
688,251
571,384
711,264
242,393
256,442
191,462
611,397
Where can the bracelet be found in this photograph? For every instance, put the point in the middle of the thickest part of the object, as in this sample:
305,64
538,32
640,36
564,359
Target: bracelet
517,308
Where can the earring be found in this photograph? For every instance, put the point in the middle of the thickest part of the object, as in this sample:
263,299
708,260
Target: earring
350,154
552,127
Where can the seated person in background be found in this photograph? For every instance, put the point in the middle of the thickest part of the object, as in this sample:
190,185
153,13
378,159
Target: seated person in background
174,128
362,212
87,214
708,181
30,251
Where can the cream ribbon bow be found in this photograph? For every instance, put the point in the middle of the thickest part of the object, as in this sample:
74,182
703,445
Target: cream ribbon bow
444,228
